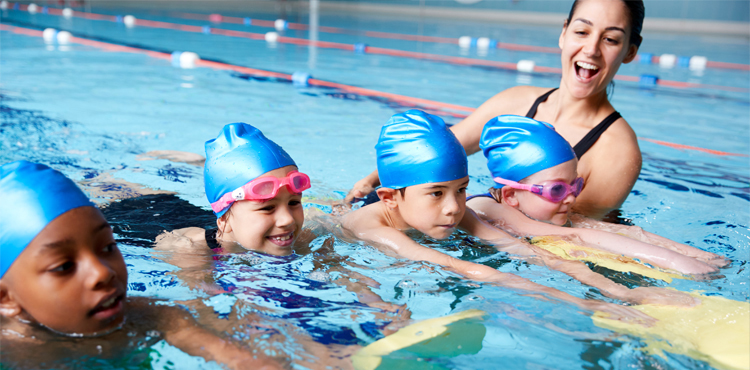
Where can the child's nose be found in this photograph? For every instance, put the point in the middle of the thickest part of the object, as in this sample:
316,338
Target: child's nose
284,217
569,199
99,272
451,206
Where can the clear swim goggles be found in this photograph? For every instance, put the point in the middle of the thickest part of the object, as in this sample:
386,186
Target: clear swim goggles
555,191
263,188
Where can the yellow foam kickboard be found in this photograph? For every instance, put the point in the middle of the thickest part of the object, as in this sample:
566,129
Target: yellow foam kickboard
716,331
446,336
570,251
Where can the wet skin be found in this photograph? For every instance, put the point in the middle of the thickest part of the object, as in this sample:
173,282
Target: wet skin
71,278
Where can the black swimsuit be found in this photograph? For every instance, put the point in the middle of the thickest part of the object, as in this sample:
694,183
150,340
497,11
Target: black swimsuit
585,144
211,239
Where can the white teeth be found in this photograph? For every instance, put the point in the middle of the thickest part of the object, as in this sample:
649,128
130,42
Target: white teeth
283,238
587,66
109,302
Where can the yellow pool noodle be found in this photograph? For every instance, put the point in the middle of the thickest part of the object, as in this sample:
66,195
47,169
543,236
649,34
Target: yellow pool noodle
716,331
571,251
445,336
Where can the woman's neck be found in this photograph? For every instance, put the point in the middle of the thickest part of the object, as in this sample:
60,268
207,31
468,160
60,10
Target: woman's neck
579,111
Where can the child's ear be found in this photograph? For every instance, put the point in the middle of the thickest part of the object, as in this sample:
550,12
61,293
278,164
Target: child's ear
9,307
223,224
388,197
509,196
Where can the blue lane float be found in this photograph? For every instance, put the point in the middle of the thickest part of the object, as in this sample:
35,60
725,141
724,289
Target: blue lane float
206,30
247,21
360,48
648,81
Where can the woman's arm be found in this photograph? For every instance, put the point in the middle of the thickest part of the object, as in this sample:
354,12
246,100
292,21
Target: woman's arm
611,167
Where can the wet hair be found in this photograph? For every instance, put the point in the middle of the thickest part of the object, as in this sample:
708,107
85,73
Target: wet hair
637,12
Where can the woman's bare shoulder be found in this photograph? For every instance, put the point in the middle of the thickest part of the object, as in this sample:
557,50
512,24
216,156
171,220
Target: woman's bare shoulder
518,97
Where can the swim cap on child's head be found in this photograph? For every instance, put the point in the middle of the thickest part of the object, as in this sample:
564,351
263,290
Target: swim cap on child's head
417,148
517,147
32,196
239,154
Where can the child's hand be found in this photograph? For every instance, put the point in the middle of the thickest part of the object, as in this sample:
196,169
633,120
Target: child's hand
662,296
620,313
715,260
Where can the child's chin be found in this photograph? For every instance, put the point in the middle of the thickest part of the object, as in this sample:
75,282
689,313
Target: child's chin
559,220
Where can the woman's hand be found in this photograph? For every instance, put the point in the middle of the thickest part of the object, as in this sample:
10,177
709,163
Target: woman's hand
363,187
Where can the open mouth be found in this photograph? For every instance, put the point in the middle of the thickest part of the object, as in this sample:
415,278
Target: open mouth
108,308
282,240
586,71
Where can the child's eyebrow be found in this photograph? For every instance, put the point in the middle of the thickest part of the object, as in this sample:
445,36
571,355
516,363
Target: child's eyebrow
66,242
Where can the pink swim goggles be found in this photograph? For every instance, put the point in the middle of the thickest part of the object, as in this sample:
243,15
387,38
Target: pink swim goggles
555,192
263,188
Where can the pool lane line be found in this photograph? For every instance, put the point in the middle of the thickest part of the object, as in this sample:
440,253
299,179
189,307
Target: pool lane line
401,99
347,31
690,147
110,45
408,37
390,52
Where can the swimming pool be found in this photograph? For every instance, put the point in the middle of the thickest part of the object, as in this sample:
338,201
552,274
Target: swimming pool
88,111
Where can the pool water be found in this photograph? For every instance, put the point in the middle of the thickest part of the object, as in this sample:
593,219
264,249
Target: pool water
90,113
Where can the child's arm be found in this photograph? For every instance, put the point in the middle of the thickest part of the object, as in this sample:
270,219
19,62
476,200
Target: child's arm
406,247
638,233
180,329
575,269
510,219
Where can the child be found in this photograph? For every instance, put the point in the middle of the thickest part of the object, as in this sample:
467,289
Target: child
255,190
61,274
242,164
537,184
423,171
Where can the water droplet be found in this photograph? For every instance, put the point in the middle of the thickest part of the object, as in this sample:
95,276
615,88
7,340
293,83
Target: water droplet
406,284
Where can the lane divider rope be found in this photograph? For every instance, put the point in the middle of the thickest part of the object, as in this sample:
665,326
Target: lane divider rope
401,99
396,53
218,18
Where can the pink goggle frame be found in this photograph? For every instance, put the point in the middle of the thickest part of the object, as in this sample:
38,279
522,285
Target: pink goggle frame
555,192
263,188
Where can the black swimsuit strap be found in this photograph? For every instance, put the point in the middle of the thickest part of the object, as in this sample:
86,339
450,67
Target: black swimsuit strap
539,100
585,144
211,239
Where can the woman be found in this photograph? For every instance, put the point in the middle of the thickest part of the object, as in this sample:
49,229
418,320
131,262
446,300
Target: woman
597,37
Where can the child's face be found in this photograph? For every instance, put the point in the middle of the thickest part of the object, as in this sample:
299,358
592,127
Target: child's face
540,208
434,209
70,278
270,226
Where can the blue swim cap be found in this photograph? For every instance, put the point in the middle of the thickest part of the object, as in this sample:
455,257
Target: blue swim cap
32,196
239,154
417,148
517,147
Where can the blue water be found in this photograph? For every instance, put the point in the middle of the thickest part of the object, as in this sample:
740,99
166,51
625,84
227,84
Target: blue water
89,112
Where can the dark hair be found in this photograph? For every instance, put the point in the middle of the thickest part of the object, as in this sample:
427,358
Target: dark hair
637,12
